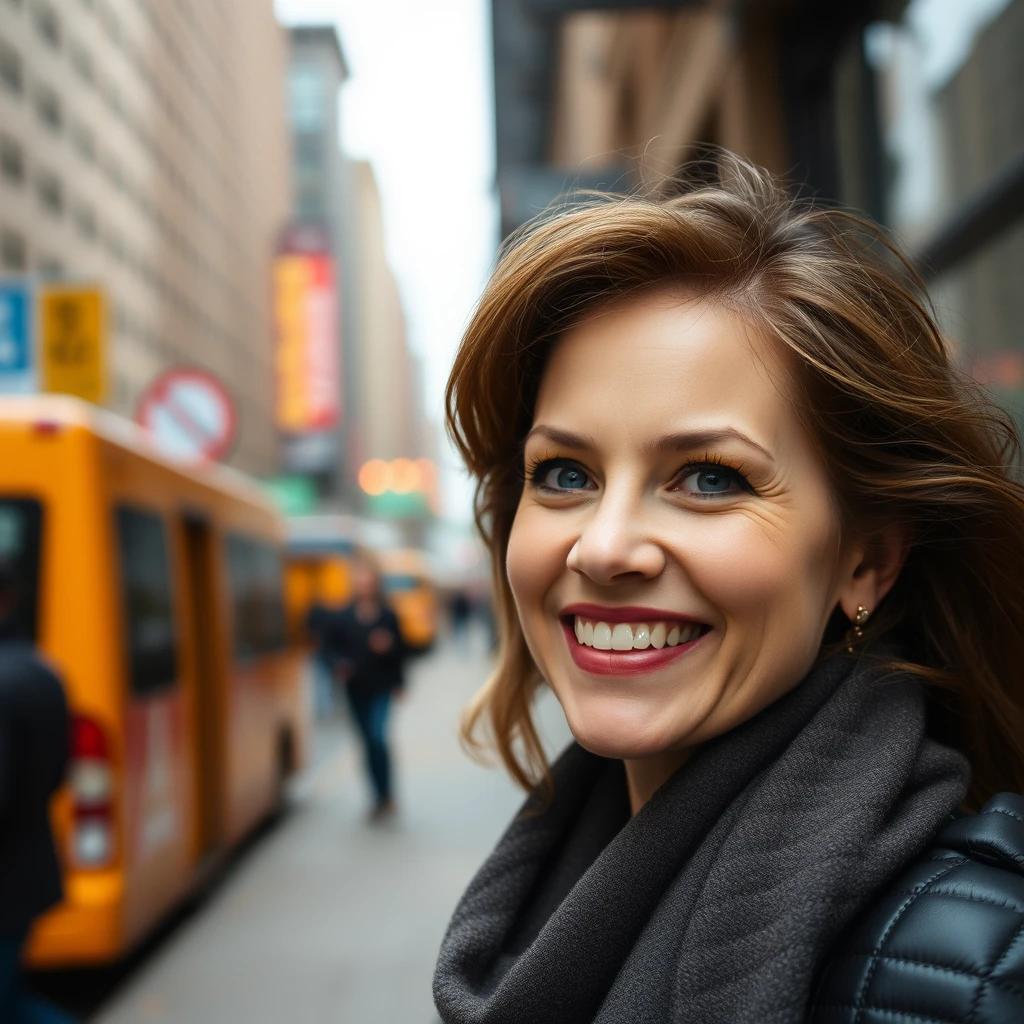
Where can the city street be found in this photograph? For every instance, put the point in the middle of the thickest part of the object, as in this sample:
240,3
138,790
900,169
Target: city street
329,918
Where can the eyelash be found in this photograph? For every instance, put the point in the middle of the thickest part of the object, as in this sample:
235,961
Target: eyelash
709,460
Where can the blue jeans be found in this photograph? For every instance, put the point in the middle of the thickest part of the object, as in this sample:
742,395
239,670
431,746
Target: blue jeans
371,717
16,1006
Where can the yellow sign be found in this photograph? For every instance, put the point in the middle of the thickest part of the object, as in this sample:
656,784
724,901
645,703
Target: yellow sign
73,340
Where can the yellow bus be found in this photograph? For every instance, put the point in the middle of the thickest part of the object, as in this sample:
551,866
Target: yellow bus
317,568
411,592
156,592
320,550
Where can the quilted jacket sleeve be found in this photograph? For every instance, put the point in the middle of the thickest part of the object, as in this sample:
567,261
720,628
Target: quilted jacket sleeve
945,944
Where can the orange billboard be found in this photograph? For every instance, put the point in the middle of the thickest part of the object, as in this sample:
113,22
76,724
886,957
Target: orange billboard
307,363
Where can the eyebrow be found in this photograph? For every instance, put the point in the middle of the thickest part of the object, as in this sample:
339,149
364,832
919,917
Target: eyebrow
681,441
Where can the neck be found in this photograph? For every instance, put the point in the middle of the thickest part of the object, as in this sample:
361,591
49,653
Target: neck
646,775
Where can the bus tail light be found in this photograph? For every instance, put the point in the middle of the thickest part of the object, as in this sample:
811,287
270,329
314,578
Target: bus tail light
91,780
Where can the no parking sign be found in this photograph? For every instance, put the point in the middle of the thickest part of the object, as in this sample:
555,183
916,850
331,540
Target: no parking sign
190,415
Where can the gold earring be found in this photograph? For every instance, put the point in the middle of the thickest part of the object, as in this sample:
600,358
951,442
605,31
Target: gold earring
856,631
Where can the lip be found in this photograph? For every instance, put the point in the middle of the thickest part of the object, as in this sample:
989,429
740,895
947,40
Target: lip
624,663
625,613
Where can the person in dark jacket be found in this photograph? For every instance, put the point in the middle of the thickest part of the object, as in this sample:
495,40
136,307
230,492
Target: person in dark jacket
764,541
34,740
363,644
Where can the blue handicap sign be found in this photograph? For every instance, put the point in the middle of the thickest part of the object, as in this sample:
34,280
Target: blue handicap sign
17,350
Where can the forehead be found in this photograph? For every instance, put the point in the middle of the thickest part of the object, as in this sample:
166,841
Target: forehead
664,360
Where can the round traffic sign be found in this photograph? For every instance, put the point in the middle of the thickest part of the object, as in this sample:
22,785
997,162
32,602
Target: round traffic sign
189,414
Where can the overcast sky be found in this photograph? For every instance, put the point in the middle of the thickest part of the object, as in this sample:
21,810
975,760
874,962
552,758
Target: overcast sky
419,106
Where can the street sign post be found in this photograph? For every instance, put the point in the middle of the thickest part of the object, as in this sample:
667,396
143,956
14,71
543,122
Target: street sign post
17,338
72,340
190,415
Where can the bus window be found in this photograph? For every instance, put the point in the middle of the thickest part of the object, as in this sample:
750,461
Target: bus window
21,522
257,597
146,578
398,583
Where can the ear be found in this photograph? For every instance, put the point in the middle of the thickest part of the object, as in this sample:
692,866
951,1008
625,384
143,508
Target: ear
872,569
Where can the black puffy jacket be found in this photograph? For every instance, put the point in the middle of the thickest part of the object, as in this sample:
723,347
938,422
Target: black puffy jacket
945,944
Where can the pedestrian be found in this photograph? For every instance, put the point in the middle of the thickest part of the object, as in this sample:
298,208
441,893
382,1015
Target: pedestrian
363,643
459,609
34,744
763,539
319,665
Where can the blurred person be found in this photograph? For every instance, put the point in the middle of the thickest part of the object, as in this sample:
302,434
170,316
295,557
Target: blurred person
763,539
460,610
34,746
323,680
363,644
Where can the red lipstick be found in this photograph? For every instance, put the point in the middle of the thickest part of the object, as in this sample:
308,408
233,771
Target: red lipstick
624,613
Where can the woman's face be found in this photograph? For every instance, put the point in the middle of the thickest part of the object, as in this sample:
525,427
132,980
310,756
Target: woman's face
675,556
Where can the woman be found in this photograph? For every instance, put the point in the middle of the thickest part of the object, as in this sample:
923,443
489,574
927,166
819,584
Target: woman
363,643
763,540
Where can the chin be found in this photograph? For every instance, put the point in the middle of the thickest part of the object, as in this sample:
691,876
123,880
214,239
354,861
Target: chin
620,730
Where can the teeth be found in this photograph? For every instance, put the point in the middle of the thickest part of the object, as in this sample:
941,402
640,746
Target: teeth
625,636
622,637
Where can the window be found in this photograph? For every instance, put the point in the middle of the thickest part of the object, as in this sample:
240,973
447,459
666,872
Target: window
85,221
21,527
10,67
81,60
12,160
306,98
113,169
48,107
115,245
47,23
149,616
13,251
257,604
84,142
51,193
49,266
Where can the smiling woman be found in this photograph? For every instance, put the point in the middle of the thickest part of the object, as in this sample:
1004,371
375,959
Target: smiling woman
762,540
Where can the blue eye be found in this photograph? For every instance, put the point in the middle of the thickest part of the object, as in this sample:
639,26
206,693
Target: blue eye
558,475
709,480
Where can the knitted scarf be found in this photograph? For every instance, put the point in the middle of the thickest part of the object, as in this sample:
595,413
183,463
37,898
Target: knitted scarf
719,900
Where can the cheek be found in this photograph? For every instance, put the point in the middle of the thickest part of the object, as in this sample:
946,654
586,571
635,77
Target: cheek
753,567
534,560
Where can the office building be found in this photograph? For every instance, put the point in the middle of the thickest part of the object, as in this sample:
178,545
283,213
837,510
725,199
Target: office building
143,145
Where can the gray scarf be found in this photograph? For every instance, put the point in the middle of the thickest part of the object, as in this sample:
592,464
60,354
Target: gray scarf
717,902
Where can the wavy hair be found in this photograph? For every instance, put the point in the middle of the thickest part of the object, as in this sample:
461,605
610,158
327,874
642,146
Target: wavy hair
906,435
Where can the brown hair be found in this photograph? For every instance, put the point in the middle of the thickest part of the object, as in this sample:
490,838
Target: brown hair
907,436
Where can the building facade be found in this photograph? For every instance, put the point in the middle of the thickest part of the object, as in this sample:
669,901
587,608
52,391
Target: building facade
392,401
337,199
911,111
143,145
322,207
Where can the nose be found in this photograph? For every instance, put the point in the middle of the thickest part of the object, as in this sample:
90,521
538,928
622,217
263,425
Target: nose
613,547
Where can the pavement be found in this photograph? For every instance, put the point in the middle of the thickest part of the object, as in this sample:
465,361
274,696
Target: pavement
328,918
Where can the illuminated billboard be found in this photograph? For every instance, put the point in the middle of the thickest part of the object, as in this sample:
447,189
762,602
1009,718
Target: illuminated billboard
307,369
